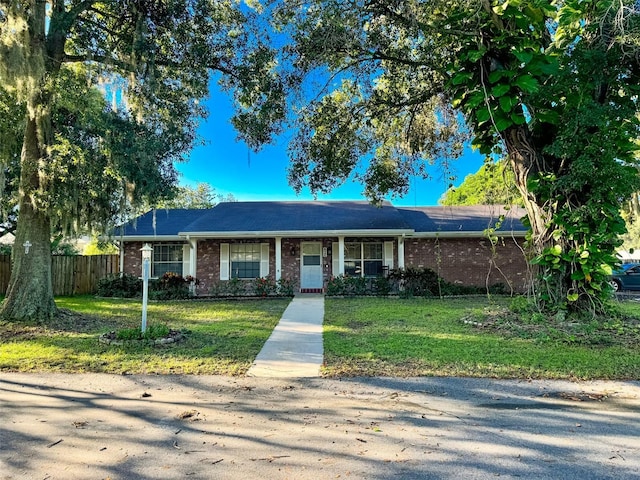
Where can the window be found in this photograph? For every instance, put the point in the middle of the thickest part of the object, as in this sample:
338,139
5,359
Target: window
363,259
352,259
245,260
167,258
311,254
372,255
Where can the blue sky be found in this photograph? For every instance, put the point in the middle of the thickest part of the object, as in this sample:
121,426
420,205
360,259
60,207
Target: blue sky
230,168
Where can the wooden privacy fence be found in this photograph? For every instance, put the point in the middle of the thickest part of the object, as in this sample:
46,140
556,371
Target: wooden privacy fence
71,275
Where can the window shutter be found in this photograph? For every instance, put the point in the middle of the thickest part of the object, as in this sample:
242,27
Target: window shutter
388,255
335,261
224,261
264,259
186,260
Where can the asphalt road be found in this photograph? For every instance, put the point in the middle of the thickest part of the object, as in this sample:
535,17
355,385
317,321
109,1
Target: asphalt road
55,426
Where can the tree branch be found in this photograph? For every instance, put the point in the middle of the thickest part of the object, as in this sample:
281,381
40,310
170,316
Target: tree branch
103,59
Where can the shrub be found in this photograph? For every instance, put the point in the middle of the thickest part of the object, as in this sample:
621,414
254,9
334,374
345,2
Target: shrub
121,286
348,286
422,282
499,289
357,286
381,286
261,287
285,287
217,289
229,288
264,286
520,304
171,286
336,286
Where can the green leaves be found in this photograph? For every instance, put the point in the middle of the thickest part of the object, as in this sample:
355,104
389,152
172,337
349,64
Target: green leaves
527,83
461,78
493,184
500,90
537,79
507,103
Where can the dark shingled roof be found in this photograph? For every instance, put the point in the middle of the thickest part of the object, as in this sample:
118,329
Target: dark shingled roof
167,222
462,218
298,217
255,217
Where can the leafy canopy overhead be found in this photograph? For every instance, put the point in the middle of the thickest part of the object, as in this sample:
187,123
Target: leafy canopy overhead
395,76
122,84
552,86
84,162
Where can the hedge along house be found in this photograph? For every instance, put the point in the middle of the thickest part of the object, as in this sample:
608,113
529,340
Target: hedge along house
309,242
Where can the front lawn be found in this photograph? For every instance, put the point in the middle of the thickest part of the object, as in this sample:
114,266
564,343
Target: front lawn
413,337
222,337
363,336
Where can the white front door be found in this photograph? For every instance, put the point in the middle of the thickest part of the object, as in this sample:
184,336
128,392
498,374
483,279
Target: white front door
311,275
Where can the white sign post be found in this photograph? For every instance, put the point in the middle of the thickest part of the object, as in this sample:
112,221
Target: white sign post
146,268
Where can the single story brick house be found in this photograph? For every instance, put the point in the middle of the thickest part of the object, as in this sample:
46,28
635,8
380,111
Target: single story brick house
309,242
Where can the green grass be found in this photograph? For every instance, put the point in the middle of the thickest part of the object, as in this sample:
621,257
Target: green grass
363,336
222,337
409,337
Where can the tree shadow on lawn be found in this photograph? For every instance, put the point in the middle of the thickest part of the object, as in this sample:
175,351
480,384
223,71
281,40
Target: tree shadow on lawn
228,354
70,342
214,427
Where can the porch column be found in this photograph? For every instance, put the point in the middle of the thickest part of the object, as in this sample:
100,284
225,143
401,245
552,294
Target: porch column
278,258
340,255
193,263
401,252
193,257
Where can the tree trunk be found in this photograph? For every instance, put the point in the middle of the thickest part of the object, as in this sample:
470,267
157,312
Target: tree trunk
548,285
560,273
525,163
30,292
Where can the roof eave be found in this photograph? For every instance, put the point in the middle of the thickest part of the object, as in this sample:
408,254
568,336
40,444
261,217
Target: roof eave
445,234
182,236
302,233
149,238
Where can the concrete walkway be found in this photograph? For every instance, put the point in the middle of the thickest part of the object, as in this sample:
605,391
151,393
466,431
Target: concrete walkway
294,349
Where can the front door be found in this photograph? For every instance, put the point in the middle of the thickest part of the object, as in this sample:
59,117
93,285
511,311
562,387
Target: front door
311,275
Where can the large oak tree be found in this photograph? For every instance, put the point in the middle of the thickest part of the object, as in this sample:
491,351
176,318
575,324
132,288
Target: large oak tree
81,158
553,86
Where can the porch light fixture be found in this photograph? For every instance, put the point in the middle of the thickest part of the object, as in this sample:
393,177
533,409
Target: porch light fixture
293,251
27,245
146,267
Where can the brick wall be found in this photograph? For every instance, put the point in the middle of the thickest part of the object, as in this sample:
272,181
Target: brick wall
291,261
468,261
208,264
133,258
465,261
208,261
